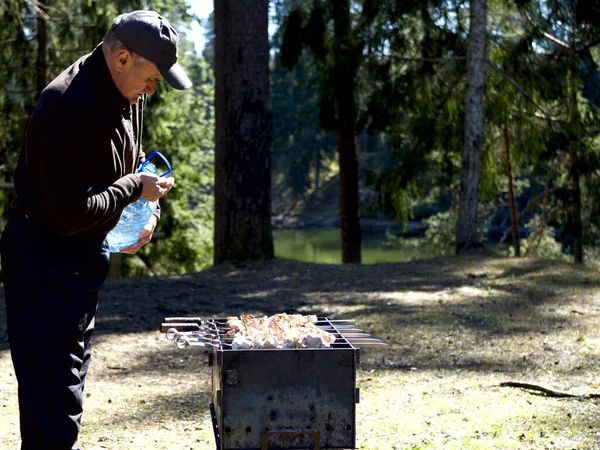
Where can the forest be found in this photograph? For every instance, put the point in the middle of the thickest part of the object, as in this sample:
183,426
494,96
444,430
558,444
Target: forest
478,121
464,131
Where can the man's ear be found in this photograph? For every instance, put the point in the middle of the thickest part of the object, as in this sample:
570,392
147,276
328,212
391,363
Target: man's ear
123,58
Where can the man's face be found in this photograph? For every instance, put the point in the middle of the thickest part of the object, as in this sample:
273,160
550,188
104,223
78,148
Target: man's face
138,81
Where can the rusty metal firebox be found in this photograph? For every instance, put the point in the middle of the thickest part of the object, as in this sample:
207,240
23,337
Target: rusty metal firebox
263,399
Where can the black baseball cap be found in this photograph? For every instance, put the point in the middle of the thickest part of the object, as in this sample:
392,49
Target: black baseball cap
152,37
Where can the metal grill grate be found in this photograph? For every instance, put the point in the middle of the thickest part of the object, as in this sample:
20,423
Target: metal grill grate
212,333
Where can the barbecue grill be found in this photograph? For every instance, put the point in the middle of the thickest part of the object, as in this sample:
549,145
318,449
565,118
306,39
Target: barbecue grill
301,398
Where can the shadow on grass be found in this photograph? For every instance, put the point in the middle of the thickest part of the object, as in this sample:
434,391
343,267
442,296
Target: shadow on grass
163,407
515,301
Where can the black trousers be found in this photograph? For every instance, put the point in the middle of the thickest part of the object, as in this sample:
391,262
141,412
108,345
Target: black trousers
51,285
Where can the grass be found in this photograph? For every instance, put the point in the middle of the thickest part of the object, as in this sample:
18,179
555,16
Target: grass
456,328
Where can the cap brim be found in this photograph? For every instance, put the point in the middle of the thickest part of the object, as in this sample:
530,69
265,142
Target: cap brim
175,76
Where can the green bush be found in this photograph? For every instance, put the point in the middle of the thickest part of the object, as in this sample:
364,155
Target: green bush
441,232
540,242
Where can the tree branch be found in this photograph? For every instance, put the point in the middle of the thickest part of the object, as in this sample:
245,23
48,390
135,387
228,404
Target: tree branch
446,59
35,5
587,47
548,392
548,36
522,90
537,198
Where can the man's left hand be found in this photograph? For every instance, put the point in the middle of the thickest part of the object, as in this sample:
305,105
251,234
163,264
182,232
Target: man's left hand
144,235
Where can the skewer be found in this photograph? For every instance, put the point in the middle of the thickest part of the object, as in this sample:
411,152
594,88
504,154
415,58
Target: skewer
184,341
337,335
172,333
368,344
321,327
201,321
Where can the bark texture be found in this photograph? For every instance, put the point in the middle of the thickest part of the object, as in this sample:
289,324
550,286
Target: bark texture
243,132
466,224
514,218
42,49
574,224
345,71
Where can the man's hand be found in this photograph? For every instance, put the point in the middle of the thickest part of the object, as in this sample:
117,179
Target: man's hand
154,187
144,235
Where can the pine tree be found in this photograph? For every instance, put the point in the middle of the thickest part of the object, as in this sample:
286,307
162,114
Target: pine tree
242,229
466,223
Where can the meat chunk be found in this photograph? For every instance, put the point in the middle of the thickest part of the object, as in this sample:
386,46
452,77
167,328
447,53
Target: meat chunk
277,331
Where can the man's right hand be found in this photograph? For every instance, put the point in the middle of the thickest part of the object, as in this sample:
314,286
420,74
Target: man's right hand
154,187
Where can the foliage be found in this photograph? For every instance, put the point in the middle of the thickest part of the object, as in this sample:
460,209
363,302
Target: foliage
186,212
416,97
541,242
301,150
441,232
563,35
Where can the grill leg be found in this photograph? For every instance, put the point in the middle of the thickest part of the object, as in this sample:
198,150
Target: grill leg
268,434
213,416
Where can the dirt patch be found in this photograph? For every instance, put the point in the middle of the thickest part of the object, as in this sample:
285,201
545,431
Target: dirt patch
456,329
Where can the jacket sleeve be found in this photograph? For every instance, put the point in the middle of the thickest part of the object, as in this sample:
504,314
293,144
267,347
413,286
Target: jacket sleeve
82,190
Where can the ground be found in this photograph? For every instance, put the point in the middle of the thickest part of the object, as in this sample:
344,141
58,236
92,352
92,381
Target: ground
456,328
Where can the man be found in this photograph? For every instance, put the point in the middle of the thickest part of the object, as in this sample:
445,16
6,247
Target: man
75,174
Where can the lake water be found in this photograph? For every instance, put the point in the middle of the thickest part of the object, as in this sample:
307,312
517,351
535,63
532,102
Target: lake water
324,246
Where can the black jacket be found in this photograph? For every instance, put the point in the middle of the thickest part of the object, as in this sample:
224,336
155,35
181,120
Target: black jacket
82,144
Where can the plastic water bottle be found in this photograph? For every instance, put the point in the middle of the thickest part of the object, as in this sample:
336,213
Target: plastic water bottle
135,215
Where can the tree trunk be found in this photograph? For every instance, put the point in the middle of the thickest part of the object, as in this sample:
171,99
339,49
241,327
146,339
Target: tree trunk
574,224
345,72
514,218
42,49
243,132
575,207
466,224
317,176
116,265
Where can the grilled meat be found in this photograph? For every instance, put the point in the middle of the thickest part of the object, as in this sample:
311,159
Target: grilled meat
277,331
